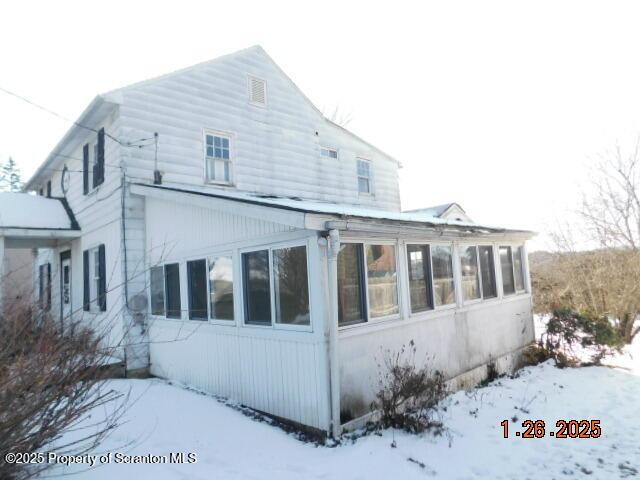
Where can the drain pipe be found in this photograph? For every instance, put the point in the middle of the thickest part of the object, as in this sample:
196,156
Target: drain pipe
334,365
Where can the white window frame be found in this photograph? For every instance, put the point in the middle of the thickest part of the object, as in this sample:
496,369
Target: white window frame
369,178
220,321
274,324
264,82
387,318
456,286
329,149
523,266
231,161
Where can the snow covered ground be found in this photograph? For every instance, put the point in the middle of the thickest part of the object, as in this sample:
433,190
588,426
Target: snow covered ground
229,445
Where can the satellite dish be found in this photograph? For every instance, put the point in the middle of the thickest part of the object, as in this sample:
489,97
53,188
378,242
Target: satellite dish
138,303
65,180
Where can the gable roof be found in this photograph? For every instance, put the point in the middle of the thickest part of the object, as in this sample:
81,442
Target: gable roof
254,48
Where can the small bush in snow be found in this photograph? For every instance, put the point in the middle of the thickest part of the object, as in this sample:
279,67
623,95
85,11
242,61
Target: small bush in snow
408,395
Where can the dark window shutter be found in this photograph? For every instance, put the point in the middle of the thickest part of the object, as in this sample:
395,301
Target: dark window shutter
102,272
48,286
99,171
85,168
49,189
87,292
41,285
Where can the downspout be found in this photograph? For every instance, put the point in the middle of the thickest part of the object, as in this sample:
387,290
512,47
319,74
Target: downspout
334,365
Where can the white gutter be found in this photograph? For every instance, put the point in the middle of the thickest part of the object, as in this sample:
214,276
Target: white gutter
333,248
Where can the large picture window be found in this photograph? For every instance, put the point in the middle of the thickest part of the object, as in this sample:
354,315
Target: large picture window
351,296
156,287
221,288
487,271
291,285
443,283
197,289
470,274
285,269
257,288
382,280
172,290
419,268
506,266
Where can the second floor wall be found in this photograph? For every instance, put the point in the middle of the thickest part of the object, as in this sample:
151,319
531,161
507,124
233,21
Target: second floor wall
239,122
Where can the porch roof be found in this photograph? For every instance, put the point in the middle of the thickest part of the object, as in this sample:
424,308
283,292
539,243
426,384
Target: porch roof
29,221
326,215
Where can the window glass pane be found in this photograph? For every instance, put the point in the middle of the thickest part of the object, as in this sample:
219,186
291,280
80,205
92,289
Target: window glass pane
172,290
443,286
363,185
517,266
209,140
217,141
225,143
291,285
363,168
197,285
469,268
257,289
382,280
506,266
157,290
209,151
488,272
221,288
419,268
350,292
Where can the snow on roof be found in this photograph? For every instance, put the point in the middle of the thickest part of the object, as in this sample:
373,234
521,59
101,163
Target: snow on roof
22,210
320,207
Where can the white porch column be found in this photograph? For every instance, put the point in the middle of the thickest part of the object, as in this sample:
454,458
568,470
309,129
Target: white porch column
334,361
2,273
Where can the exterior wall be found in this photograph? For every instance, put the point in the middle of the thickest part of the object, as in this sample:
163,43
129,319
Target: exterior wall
278,370
453,341
17,284
459,339
276,148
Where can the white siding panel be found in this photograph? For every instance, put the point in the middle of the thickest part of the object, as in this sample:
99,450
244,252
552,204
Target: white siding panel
276,149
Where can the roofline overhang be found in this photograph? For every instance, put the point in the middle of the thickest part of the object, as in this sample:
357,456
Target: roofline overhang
310,220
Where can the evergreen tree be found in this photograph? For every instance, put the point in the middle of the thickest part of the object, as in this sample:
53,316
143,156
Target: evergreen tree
10,179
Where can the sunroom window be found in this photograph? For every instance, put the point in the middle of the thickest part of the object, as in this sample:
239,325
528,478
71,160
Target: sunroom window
382,280
518,268
506,266
197,288
218,157
419,268
470,273
487,271
221,288
351,297
172,290
443,283
285,269
156,286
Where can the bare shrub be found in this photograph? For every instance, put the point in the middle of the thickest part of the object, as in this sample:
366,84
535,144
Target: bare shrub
408,395
602,284
49,383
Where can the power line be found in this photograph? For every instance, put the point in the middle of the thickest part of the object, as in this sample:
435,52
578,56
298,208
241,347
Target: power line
56,114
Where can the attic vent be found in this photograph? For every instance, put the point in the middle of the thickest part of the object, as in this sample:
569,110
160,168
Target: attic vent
257,91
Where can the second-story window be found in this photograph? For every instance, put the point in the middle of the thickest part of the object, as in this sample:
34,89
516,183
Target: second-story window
364,176
328,152
218,157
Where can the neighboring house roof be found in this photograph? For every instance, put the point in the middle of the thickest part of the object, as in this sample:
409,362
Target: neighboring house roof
35,212
450,211
339,210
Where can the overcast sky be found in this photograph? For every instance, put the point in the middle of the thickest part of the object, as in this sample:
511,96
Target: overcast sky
499,106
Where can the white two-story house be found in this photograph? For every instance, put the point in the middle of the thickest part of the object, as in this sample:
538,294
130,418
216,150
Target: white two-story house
235,240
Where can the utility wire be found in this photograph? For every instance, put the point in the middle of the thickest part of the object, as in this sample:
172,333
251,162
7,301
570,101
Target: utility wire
56,114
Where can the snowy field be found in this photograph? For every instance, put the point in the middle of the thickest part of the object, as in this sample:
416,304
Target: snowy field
230,445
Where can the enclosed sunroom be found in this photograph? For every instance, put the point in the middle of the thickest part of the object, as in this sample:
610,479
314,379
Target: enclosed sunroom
286,305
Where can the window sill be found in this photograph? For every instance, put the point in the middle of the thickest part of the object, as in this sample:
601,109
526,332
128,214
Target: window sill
219,184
